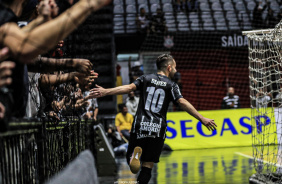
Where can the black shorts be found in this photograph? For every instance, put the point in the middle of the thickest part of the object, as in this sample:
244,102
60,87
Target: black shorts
151,148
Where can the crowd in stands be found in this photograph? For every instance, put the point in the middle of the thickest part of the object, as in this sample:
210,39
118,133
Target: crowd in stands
35,81
195,15
270,20
186,5
151,24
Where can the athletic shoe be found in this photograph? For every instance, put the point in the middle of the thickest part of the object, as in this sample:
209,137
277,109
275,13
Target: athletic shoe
134,163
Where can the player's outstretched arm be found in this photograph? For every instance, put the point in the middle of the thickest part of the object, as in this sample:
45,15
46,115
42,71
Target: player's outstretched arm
186,106
100,91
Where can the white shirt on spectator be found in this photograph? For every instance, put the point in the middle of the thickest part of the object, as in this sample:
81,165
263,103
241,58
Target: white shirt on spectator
143,20
262,101
279,99
92,102
33,103
132,105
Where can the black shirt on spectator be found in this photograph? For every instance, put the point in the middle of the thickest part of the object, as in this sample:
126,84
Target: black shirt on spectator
229,100
19,87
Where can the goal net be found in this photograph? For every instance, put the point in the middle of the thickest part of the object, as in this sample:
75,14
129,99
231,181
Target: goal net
266,103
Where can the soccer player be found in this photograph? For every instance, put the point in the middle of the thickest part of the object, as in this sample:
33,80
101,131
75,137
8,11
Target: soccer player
149,127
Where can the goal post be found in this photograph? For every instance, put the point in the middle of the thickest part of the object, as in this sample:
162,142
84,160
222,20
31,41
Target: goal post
265,72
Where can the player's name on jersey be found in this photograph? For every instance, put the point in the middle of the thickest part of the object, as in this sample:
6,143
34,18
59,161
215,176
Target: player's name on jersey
149,129
158,83
151,124
139,136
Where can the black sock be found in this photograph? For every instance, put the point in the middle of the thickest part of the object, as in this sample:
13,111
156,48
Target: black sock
144,175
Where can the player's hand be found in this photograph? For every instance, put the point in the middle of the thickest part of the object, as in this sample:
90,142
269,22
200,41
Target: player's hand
82,65
209,123
97,92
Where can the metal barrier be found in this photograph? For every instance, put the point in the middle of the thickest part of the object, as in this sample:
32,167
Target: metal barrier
31,152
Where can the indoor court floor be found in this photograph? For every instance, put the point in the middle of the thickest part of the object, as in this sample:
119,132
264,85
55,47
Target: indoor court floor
204,166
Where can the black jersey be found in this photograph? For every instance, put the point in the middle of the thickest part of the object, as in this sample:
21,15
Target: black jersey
227,101
156,92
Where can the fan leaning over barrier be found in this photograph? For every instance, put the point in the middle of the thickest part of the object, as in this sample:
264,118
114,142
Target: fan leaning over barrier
24,46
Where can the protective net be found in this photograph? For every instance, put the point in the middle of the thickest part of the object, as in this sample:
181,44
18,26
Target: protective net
206,66
265,93
204,36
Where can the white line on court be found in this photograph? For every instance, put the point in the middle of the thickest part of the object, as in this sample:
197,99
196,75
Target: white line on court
248,156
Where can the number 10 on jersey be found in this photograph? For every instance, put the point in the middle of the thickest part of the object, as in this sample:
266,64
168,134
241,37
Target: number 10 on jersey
154,99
